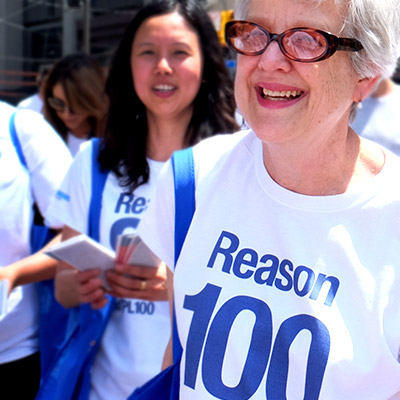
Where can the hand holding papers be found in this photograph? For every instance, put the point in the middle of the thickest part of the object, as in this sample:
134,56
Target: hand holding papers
84,253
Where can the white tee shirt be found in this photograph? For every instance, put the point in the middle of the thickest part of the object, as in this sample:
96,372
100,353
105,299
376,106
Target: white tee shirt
74,143
277,294
137,334
33,103
378,119
48,159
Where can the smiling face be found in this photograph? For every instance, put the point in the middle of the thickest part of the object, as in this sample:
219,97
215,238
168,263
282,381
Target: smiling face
284,100
167,65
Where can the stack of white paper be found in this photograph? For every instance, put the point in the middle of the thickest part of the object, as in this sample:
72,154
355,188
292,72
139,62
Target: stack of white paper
84,253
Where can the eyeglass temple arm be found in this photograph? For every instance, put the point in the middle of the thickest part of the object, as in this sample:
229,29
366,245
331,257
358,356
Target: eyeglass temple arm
349,44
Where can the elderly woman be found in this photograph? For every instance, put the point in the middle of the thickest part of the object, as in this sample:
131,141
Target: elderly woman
288,283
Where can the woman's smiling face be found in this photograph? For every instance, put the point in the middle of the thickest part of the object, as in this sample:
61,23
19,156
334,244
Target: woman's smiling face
167,65
283,99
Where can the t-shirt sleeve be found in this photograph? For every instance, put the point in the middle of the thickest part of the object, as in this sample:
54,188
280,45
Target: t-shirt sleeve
71,203
157,226
46,155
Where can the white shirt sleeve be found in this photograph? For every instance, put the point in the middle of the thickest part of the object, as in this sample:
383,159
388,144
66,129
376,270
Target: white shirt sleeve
46,155
157,225
71,204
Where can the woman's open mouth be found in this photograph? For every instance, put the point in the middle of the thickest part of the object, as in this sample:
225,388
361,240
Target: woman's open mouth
282,95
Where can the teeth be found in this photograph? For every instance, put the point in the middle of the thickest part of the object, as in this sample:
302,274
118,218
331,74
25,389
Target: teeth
164,88
280,94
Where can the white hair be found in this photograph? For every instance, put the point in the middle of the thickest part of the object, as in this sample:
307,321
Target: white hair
375,23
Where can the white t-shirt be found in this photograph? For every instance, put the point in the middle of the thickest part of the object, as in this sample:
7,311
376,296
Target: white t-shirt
137,334
279,294
33,103
74,143
378,119
48,159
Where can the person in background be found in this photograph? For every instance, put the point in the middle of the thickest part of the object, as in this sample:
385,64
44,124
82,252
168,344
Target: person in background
35,102
168,88
378,116
47,160
288,283
74,100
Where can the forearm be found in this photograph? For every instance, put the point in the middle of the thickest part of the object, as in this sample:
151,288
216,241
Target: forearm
31,269
65,286
66,290
168,356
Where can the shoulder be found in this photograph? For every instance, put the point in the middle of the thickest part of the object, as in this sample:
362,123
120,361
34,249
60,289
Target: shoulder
386,187
40,143
32,125
6,111
392,163
217,146
85,153
222,149
396,91
32,102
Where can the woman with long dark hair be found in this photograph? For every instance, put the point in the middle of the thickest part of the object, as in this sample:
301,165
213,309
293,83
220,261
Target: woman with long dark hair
168,88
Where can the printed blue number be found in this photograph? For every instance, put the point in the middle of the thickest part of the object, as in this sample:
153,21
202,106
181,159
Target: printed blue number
317,357
259,349
119,226
202,305
258,353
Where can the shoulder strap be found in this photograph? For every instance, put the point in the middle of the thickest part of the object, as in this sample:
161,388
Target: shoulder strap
15,140
184,182
99,177
88,317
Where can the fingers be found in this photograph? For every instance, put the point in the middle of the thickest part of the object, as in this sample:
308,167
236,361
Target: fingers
135,282
90,288
126,281
152,289
142,272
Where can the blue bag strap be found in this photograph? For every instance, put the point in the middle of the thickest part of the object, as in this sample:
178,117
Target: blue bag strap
99,177
184,183
86,313
15,140
69,376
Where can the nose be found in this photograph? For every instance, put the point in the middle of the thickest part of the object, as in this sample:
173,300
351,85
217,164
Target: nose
163,66
273,58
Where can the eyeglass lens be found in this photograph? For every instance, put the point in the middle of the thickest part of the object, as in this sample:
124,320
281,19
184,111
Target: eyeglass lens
59,105
305,44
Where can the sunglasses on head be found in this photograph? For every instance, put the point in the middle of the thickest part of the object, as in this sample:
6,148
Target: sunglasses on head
298,44
58,105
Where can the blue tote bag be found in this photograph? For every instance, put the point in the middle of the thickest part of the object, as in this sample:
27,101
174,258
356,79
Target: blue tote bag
67,376
165,385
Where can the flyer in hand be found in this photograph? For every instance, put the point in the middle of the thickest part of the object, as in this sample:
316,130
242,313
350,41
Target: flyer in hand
84,253
132,250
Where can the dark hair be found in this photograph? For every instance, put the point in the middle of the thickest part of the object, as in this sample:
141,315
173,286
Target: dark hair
125,142
83,81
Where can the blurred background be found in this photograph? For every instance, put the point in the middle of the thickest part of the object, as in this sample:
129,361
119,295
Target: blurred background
35,33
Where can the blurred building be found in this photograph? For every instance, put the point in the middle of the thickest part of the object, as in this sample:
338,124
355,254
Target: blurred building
36,32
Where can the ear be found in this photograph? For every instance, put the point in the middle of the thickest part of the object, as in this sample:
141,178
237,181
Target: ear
364,87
